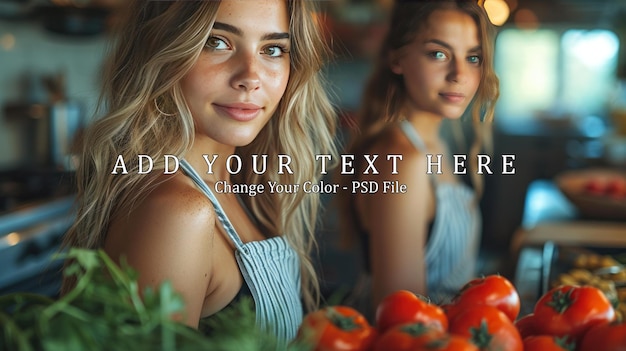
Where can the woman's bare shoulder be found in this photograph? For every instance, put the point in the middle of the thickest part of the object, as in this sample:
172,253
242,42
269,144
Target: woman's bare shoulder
169,236
173,207
177,199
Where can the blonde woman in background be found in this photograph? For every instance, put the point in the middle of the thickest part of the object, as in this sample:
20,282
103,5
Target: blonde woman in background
436,60
194,78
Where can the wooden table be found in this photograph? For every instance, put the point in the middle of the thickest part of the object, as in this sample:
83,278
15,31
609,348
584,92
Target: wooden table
579,232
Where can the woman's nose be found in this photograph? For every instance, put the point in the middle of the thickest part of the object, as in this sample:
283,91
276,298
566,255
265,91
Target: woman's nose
246,76
458,71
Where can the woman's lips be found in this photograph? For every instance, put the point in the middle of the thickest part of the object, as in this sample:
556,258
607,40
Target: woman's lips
453,97
242,112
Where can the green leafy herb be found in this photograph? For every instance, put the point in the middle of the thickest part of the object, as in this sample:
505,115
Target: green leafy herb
107,312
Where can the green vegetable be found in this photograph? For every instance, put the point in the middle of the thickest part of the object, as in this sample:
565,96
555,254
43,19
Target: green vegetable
105,312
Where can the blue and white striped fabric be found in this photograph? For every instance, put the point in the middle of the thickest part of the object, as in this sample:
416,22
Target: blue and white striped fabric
452,248
270,268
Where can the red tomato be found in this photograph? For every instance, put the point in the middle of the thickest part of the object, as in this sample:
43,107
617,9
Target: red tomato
492,290
403,307
605,337
571,310
594,187
338,328
447,343
548,343
526,326
616,188
488,328
404,337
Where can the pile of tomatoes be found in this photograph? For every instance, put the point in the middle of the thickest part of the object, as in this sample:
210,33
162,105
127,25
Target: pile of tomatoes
483,316
613,187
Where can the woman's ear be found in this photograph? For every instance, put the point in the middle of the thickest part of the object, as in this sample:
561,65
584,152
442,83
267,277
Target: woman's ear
393,60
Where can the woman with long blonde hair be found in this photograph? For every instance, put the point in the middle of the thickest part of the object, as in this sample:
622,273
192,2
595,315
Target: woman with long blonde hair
423,233
216,85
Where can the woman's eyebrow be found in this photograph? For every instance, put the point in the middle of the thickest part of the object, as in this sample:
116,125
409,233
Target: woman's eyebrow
228,28
447,46
237,31
275,36
438,42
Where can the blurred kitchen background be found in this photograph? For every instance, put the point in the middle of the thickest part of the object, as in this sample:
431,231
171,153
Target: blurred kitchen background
561,64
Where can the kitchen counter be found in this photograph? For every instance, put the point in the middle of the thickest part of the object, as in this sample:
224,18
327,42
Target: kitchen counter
549,216
29,239
33,214
549,221
577,232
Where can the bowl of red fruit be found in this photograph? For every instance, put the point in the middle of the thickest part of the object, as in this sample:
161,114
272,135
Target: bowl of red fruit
596,193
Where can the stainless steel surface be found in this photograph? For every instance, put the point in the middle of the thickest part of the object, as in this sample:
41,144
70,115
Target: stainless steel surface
29,240
608,270
547,259
48,118
19,220
65,121
528,275
24,188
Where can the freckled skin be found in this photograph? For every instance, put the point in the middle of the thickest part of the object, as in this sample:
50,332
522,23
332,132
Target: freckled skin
173,234
238,71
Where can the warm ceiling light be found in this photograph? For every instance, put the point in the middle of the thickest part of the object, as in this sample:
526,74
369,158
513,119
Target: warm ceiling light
497,10
12,238
386,4
7,42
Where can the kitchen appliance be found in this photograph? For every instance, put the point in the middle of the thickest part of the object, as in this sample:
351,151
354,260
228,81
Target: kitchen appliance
37,194
65,121
29,239
48,120
36,209
27,187
75,18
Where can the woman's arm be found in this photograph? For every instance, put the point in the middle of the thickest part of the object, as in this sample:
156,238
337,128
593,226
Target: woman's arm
397,225
168,237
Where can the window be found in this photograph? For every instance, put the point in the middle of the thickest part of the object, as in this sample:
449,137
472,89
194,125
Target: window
554,72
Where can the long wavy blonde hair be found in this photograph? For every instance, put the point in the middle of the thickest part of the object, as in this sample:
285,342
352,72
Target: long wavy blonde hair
385,94
157,44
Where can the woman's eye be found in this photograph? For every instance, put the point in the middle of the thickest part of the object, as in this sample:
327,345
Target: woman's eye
474,59
274,51
216,43
438,55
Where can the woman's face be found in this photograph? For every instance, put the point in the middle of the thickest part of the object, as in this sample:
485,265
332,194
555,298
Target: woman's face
234,87
442,66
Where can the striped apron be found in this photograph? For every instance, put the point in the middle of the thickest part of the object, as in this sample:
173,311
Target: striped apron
452,247
271,270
